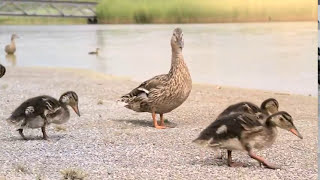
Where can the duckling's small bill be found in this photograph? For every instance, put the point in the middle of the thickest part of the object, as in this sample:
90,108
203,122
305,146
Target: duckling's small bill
296,132
76,109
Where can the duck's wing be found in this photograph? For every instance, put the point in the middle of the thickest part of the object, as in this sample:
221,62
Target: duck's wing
144,88
246,107
41,105
229,127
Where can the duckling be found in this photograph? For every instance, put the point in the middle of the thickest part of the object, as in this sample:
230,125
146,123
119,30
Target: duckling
244,131
11,48
2,71
40,111
95,52
267,107
163,93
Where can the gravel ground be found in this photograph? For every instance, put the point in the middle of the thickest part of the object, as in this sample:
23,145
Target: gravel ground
111,142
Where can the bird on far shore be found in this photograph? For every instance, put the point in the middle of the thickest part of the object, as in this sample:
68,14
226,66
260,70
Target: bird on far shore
40,111
11,48
246,132
95,52
163,93
2,71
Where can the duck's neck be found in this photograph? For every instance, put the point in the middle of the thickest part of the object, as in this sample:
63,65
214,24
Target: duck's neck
13,43
270,123
62,104
177,62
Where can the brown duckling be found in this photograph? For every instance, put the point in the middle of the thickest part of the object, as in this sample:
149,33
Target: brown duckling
40,111
11,48
245,132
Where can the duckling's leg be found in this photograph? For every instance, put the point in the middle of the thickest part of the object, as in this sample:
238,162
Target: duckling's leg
155,122
21,134
43,129
263,161
233,164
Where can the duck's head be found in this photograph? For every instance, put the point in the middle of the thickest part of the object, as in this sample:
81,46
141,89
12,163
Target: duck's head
14,36
2,71
284,121
177,42
270,106
70,98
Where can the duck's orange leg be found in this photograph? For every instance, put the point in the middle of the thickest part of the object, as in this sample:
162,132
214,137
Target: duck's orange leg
263,161
161,120
155,122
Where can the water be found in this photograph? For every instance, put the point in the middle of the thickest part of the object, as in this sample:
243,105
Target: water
268,56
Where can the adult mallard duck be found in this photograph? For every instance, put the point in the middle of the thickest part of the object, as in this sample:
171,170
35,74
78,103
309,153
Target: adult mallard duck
40,111
163,93
267,107
11,48
2,71
95,52
244,131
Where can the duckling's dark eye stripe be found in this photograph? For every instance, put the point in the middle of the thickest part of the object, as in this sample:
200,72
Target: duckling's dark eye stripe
74,96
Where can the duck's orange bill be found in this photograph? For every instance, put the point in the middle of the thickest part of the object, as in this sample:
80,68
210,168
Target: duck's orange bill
296,132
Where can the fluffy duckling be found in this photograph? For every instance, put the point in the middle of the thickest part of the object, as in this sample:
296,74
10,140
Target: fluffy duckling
40,111
244,131
11,48
2,71
95,52
267,107
163,93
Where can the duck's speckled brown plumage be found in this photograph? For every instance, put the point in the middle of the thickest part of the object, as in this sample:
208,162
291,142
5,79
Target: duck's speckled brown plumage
163,93
11,48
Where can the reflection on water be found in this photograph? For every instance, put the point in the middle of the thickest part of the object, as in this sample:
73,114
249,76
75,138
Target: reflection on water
271,56
11,59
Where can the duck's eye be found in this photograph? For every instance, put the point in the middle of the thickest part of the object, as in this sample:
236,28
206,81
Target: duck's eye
281,119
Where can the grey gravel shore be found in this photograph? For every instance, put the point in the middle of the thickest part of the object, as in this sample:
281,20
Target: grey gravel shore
111,142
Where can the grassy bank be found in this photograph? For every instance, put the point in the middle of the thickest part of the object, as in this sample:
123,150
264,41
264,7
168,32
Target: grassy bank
205,11
5,20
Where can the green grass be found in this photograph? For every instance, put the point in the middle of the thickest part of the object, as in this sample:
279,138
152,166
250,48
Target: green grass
39,20
205,11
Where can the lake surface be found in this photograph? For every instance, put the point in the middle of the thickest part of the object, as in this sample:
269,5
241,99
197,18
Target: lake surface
269,56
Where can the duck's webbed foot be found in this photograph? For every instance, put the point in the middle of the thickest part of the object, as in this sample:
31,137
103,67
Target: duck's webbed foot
263,161
21,134
156,123
233,164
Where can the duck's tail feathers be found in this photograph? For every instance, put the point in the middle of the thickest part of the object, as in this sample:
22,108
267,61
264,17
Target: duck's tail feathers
14,121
